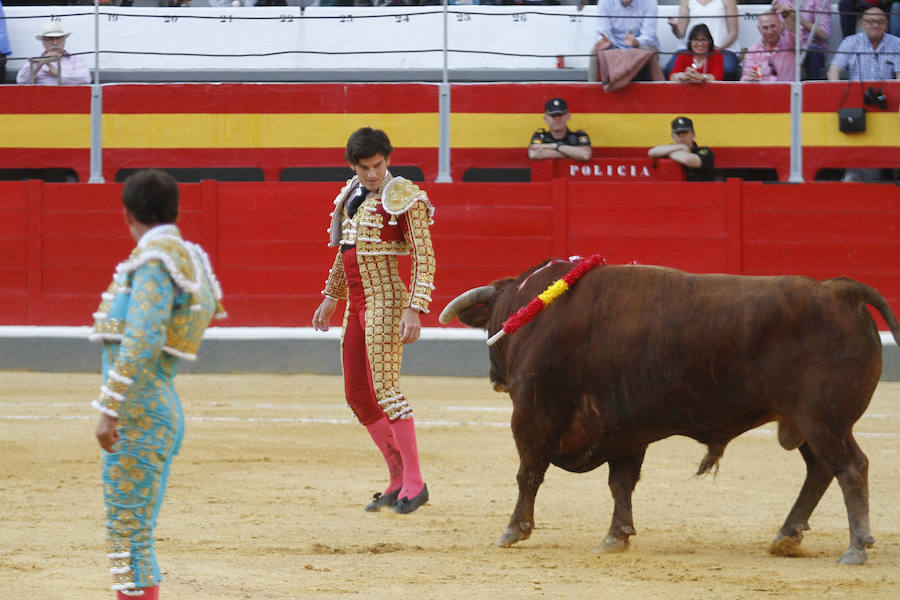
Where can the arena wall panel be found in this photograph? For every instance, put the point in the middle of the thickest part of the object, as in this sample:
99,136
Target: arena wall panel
268,240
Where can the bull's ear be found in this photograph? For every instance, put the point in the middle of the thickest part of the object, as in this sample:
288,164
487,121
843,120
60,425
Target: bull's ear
474,316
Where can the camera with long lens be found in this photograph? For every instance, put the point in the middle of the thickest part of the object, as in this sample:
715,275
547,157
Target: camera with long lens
875,97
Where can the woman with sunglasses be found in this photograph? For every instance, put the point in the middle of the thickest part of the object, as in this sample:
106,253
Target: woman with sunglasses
701,62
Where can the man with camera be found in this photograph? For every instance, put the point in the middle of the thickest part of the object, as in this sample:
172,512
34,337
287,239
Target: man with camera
869,55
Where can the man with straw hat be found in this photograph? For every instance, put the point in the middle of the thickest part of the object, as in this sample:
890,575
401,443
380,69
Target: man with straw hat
54,66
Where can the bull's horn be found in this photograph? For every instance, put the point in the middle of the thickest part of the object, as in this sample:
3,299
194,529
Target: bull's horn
478,295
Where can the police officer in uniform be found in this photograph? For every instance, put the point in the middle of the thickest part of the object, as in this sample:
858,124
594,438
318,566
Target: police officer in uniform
559,141
697,161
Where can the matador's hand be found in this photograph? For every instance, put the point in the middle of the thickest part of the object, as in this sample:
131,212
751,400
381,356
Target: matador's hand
323,314
107,432
410,326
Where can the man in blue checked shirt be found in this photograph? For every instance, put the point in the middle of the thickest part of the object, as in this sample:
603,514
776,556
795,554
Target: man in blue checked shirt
622,25
870,55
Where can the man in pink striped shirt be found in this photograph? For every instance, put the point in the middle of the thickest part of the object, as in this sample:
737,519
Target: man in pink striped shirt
772,57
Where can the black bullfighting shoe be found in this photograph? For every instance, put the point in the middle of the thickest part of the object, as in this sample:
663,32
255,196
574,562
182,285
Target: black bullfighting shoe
379,500
405,506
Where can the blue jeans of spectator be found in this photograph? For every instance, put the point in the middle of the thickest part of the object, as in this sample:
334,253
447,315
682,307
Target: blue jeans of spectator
895,18
814,63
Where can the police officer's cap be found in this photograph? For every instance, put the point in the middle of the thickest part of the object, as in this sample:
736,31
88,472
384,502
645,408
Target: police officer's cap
556,106
681,124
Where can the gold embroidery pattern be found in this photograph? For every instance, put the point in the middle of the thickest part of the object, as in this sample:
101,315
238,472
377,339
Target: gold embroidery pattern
400,194
336,284
385,302
186,328
423,261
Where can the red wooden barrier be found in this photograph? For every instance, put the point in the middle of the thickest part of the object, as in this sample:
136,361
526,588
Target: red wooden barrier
612,169
60,242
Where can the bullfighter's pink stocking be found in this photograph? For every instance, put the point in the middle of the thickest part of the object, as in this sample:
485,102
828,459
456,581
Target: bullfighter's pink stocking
405,434
383,437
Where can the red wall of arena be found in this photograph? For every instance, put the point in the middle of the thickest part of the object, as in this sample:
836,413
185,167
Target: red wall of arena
59,243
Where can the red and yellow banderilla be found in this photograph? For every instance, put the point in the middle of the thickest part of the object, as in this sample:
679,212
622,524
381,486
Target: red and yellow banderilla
553,291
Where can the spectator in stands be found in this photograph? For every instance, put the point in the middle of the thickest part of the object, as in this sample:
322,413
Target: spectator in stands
720,16
4,45
869,55
697,161
815,29
701,62
559,141
773,57
54,66
624,25
849,12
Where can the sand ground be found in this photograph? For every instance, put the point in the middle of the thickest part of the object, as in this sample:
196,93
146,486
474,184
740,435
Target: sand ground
265,502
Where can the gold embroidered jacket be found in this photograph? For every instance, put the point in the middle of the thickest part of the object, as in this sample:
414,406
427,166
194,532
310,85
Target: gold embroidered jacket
391,222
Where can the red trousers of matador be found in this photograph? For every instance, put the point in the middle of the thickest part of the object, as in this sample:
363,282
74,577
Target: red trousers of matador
370,402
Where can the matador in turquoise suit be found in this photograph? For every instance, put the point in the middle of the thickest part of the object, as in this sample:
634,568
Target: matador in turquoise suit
154,313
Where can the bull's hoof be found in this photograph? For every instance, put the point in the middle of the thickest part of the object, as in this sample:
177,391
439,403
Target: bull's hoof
853,556
786,545
611,544
515,534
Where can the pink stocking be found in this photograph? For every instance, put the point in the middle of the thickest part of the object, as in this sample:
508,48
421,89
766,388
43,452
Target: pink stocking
405,434
383,437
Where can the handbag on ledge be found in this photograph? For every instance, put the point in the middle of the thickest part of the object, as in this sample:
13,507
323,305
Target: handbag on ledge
851,120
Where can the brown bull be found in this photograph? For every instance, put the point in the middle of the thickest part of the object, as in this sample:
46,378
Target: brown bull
634,354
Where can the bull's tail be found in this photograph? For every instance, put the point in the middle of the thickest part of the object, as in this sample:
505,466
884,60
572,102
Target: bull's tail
858,293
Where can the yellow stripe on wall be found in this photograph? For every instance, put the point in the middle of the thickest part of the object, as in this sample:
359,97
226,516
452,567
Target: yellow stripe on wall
821,129
45,131
205,130
620,130
420,130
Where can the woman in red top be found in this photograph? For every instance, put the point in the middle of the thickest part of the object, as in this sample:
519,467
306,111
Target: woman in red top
701,62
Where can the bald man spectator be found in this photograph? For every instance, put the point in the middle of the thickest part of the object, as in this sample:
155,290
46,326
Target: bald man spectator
772,57
815,31
870,55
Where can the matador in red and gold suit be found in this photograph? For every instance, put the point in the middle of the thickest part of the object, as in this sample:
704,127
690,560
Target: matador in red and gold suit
371,229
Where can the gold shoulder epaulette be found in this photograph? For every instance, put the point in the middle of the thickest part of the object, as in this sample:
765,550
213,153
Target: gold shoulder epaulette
399,194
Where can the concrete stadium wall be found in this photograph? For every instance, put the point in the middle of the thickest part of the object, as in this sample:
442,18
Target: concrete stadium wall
291,43
439,352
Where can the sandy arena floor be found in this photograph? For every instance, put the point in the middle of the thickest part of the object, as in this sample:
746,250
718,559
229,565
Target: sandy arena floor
265,501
